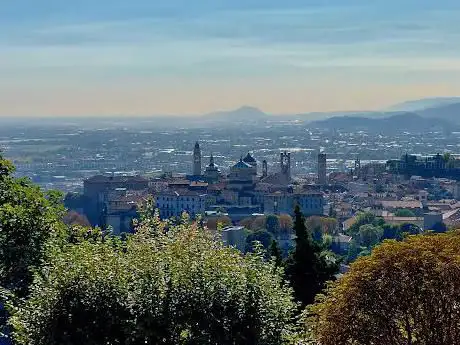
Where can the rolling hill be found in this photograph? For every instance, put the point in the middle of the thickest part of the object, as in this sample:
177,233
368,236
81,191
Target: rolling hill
406,122
448,112
422,104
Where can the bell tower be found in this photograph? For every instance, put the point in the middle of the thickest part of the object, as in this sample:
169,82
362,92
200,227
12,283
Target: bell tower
197,160
264,168
285,164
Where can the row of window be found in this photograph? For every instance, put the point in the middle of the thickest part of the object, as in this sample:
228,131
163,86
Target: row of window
165,198
183,206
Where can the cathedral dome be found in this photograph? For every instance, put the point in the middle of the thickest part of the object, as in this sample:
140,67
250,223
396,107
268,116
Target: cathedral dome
241,165
249,159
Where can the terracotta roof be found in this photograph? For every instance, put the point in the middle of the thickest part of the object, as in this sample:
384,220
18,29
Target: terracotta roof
401,204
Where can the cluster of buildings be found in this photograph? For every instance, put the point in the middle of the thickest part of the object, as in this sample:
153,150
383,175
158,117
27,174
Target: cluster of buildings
441,166
248,189
428,203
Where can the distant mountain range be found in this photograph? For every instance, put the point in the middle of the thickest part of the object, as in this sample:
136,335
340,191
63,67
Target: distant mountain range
405,122
422,104
421,114
447,112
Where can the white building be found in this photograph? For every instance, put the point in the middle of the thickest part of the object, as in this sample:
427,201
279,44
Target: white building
173,203
311,203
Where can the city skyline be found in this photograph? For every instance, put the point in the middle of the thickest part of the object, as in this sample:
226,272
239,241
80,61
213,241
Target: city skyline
176,57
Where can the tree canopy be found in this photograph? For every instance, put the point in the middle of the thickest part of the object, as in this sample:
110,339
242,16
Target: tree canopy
219,221
179,286
370,235
403,293
364,218
272,224
28,219
262,236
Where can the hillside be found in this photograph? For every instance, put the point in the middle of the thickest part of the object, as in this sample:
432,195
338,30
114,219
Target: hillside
407,122
449,112
422,104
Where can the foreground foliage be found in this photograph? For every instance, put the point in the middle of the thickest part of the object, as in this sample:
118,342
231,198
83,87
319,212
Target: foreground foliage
178,286
309,267
403,293
28,219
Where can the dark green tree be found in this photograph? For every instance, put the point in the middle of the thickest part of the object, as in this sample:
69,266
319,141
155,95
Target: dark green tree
272,224
262,236
392,232
308,268
275,252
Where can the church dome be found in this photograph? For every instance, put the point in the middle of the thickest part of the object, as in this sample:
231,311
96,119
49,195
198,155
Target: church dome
249,159
241,165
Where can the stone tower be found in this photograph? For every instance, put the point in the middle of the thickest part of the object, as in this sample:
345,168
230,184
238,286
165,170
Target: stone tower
357,167
264,168
285,164
197,160
322,166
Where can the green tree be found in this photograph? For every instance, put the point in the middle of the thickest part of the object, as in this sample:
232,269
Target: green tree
325,225
392,232
404,213
275,253
363,218
370,235
307,269
28,219
264,237
403,293
411,229
174,287
355,251
220,221
272,224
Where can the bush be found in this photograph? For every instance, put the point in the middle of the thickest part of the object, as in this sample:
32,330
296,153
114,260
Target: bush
171,287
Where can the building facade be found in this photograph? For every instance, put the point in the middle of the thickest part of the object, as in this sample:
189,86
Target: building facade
311,204
173,203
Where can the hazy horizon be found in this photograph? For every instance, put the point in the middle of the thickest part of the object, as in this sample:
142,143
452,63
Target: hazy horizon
177,57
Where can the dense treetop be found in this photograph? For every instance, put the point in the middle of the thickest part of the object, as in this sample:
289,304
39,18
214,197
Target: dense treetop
403,293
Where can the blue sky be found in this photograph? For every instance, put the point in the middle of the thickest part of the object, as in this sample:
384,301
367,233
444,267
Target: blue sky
142,57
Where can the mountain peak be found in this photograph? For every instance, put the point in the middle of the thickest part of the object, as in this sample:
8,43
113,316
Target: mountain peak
242,113
249,108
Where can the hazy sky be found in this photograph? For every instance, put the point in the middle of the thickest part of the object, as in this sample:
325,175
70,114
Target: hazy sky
102,57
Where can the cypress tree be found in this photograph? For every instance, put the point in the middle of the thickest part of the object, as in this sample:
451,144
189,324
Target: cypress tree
307,269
